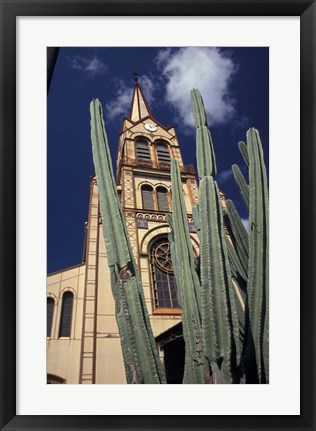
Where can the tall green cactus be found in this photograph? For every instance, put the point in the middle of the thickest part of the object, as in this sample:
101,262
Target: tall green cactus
226,341
188,285
253,250
219,314
233,268
258,272
141,361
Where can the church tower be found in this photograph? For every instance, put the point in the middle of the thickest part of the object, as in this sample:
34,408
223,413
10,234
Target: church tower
146,148
83,343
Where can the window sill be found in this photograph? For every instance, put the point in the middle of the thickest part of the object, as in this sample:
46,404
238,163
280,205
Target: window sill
168,311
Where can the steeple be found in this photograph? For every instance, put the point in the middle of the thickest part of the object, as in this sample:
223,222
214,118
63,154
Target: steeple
139,108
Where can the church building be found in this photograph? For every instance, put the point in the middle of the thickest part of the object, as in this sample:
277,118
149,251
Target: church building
83,343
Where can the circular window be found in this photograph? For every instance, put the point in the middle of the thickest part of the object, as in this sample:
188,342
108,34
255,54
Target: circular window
162,256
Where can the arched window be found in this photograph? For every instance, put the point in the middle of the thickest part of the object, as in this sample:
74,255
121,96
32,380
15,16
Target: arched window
50,313
66,315
147,197
162,152
162,275
142,149
162,198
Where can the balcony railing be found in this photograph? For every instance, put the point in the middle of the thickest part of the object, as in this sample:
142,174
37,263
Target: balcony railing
150,164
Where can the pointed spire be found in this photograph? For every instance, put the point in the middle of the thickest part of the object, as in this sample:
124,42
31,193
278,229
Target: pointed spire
140,108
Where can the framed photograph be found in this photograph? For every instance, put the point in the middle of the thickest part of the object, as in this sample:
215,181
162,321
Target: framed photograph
283,78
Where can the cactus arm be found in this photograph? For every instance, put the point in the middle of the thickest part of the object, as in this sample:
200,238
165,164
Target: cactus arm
235,262
240,297
147,356
258,276
239,281
196,219
141,361
175,261
219,314
244,152
205,155
187,283
124,330
242,184
101,156
181,230
239,235
198,109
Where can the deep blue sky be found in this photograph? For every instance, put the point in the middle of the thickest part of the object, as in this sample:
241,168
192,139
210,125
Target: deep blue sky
234,83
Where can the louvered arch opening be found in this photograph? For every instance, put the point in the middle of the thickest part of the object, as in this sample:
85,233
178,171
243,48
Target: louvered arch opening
162,198
163,153
142,149
147,197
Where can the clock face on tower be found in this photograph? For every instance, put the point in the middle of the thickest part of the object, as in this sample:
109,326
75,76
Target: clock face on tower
150,127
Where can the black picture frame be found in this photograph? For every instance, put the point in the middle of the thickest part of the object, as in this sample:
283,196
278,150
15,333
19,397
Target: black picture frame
10,9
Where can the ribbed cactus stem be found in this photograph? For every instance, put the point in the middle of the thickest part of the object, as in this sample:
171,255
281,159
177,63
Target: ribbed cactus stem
175,261
219,314
244,152
188,285
141,361
258,273
198,109
235,262
242,184
205,155
196,219
239,235
114,223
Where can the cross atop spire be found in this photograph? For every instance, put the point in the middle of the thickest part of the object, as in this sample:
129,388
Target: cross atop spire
140,108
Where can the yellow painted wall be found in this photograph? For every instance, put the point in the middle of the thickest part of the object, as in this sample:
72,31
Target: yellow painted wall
63,354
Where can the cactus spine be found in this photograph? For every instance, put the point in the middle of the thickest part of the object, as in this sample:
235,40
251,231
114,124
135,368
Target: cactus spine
141,361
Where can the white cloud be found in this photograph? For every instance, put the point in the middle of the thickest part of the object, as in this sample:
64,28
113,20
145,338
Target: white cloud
123,98
93,66
148,88
122,101
163,55
207,69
